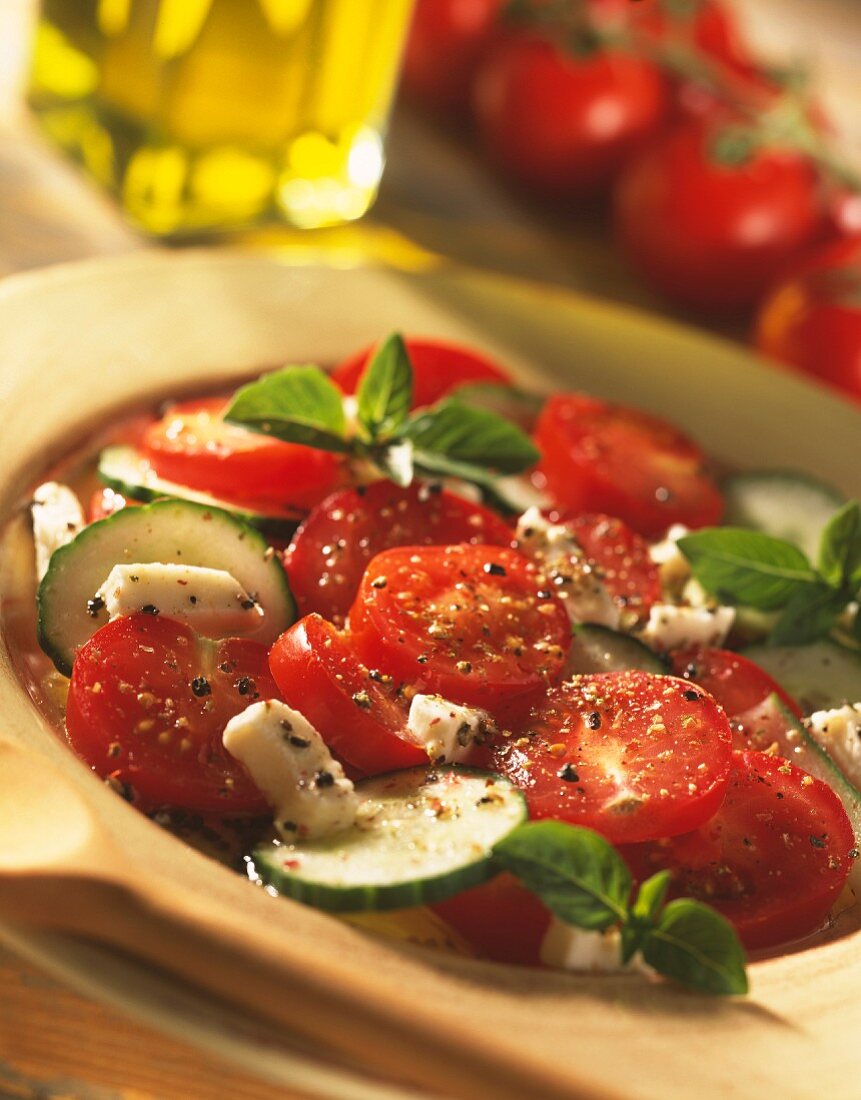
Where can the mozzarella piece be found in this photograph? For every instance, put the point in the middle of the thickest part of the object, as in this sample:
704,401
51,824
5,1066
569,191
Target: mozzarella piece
839,733
670,627
297,775
57,518
673,567
211,601
568,948
446,730
569,573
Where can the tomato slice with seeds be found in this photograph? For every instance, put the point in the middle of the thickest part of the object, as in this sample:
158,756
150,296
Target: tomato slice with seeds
474,624
357,710
330,551
603,457
438,369
629,754
148,703
741,687
193,445
622,557
773,859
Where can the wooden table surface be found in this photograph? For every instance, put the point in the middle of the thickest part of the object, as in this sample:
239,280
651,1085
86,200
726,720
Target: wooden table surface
437,195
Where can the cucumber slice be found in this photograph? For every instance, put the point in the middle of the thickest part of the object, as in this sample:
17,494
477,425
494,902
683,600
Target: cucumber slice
788,506
164,531
422,835
820,676
125,471
599,649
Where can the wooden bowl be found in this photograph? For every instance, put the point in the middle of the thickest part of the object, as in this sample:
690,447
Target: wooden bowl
80,343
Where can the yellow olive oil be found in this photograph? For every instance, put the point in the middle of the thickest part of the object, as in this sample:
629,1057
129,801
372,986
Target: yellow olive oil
207,115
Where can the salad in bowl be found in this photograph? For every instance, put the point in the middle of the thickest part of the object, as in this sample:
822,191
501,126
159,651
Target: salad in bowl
398,635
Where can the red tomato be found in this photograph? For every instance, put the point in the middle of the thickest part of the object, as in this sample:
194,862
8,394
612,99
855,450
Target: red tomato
622,558
438,369
631,755
329,552
773,859
563,125
446,42
358,710
471,623
148,703
601,457
500,920
710,234
738,684
812,320
193,446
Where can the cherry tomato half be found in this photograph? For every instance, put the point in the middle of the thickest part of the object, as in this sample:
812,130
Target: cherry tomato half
561,124
438,369
192,445
329,553
631,755
148,703
711,226
773,859
601,457
357,710
474,624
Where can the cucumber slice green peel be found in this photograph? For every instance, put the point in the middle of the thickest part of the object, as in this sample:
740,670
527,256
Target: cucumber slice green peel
820,676
125,471
597,648
164,531
423,834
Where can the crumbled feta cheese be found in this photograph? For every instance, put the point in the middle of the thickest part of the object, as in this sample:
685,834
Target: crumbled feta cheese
673,567
57,518
568,948
211,601
297,775
839,733
446,730
572,578
670,626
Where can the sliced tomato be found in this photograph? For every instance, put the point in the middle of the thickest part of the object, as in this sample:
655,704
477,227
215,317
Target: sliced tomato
474,624
603,457
622,558
148,703
741,687
632,755
358,710
192,445
500,920
773,859
329,553
438,368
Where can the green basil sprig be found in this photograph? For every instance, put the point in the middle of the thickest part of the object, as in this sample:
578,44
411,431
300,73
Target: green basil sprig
301,404
756,570
584,881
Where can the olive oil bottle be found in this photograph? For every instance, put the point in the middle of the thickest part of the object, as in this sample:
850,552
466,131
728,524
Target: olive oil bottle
204,115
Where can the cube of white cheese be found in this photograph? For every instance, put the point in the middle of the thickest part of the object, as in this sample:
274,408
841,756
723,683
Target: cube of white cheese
568,948
446,730
839,733
673,567
671,626
57,518
570,575
297,775
211,601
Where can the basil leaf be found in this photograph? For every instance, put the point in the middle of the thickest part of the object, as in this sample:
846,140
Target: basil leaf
808,615
509,402
746,567
575,872
386,389
460,434
840,548
296,404
696,946
651,897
